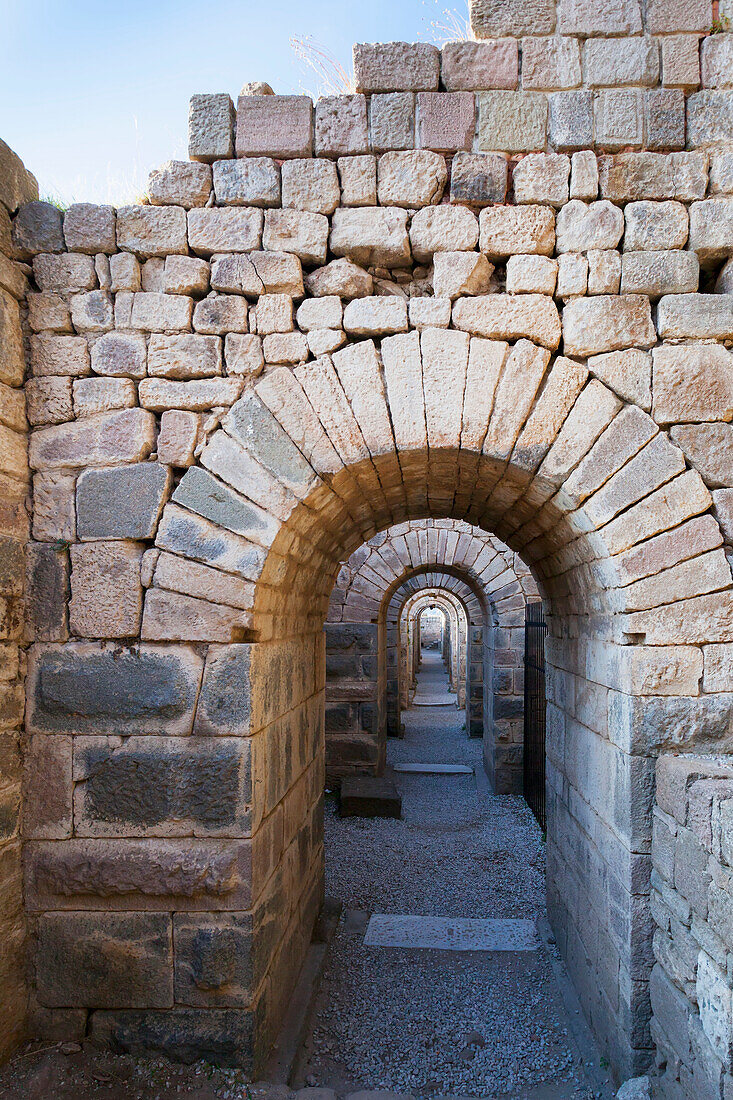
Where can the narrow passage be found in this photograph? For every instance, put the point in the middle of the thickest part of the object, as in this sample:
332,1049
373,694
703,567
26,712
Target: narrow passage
428,1021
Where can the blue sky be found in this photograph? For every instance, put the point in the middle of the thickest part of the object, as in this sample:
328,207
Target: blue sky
95,94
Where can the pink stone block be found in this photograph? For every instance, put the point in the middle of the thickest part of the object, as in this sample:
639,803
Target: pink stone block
274,126
480,66
447,120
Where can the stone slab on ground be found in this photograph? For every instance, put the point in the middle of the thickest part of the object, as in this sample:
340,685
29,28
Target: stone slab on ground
367,796
434,769
451,933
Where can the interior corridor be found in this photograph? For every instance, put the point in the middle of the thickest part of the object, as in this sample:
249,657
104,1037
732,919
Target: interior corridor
435,1021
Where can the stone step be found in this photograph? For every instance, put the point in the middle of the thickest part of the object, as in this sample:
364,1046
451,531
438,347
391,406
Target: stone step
368,796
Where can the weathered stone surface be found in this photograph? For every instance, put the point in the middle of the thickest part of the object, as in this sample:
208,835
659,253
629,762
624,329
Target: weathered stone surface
581,226
178,436
376,316
223,1037
461,273
473,66
571,124
664,118
92,312
47,583
37,227
180,183
54,517
214,960
531,275
697,316
478,178
442,229
396,66
185,275
100,395
692,383
392,121
324,312
258,273
549,64
665,16
151,230
628,177
225,230
543,178
655,225
106,594
297,231
183,357
495,19
341,126
119,354
721,174
661,272
18,184
370,236
584,176
174,616
221,313
202,582
511,230
446,120
513,122
506,317
274,313
12,364
89,228
710,120
124,272
410,179
197,395
49,400
210,498
341,278
709,448
681,61
711,228
274,126
82,687
243,354
210,127
358,180
155,312
604,271
248,181
48,313
123,502
607,323
47,787
310,185
627,373
108,960
126,436
69,272
429,312
285,347
609,62
322,341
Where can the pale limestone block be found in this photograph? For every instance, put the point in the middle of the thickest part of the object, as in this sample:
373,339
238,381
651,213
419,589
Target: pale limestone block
69,272
655,225
14,452
201,581
513,122
152,230
106,593
403,378
104,275
661,272
210,127
185,356
478,66
119,353
668,16
153,275
92,312
695,316
99,395
90,229
692,382
162,312
619,118
225,458
48,400
724,281
596,17
445,361
594,225
297,231
199,395
721,174
542,178
324,312
274,313
531,275
604,271
559,393
584,176
185,275
66,355
247,181
497,18
12,407
258,273
716,61
392,121
695,621
279,126
607,323
340,278
511,230
179,434
124,271
572,275
371,236
442,229
286,347
718,667
221,313
508,317
180,183
48,313
709,449
678,500
550,63
711,228
590,416
172,616
723,501
341,125
656,463
461,273
206,542
376,316
628,177
243,354
322,341
429,312
311,185
446,120
661,670
54,508
108,440
396,66
710,120
229,229
681,61
411,179
627,373
358,177
518,385
486,359
359,373
614,62
624,438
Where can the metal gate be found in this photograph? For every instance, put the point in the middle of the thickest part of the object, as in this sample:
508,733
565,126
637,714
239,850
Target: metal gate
535,629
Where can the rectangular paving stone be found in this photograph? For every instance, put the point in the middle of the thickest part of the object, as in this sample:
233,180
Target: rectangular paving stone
451,933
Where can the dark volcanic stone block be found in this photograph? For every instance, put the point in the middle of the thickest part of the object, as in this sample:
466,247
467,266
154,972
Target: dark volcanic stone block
365,796
122,502
222,1037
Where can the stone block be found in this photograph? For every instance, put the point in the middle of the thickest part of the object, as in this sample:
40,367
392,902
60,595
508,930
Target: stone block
210,127
582,226
376,316
681,61
429,312
185,275
531,275
180,183
710,120
214,959
655,225
119,354
48,400
251,181
274,313
479,66
721,174
628,177
619,118
695,316
151,230
442,229
243,354
311,185
513,230
371,236
54,518
258,273
322,341
593,17
478,178
671,1011
48,313
100,395
341,127
461,273
224,230
224,707
192,579
508,317
411,179
607,323
668,16
358,177
392,121
613,62
47,583
341,278
570,124
716,1010
711,229
716,61
604,271
37,227
197,395
661,272
161,312
396,67
219,314
47,787
325,312
206,496
89,228
105,960
512,122
173,616
18,184
124,272
572,275
106,594
446,120
184,357
709,449
178,437
82,687
222,1037
542,178
92,312
664,118
70,272
111,438
549,64
692,383
278,126
499,18
123,502
627,373
297,231
12,365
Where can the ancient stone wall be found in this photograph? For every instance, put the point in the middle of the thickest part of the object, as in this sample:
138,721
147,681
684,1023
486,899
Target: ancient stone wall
17,186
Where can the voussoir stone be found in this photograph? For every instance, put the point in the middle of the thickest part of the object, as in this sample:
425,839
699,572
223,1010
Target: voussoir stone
510,230
122,502
410,179
442,229
607,323
510,317
371,236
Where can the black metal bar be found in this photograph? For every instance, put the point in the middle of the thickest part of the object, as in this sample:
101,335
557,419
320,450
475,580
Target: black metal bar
535,630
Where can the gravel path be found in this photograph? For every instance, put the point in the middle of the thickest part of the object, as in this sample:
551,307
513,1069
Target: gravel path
433,1022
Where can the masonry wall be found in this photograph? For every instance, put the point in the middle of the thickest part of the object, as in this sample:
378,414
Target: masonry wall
353,740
